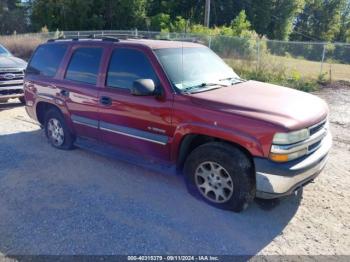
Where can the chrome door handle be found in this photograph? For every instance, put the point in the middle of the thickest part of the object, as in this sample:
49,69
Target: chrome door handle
105,100
64,93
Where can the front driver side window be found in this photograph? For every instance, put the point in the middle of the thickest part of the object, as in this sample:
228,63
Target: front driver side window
126,66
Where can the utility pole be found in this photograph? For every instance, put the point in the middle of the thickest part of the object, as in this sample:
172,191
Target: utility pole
207,13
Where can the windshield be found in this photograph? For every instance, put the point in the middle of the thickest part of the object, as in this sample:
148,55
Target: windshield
3,51
194,67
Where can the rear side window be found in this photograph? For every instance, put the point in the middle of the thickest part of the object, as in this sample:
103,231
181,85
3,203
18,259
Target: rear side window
128,65
46,60
84,65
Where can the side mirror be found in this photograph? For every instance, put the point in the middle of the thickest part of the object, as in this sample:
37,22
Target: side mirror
143,87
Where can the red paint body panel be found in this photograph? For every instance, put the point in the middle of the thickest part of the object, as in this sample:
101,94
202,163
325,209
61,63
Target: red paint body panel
137,112
247,114
283,106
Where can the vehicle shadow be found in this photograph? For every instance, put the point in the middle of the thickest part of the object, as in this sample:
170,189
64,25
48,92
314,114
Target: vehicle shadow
77,202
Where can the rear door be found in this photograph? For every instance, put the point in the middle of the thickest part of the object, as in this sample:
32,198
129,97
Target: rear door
139,123
78,87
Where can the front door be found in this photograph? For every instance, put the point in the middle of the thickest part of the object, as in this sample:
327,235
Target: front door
138,123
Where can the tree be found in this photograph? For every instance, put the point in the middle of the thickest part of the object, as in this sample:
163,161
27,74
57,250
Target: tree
240,24
13,17
160,22
273,18
320,20
344,31
192,10
88,14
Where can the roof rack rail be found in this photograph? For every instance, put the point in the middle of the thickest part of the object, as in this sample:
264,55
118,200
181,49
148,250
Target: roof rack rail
112,37
84,37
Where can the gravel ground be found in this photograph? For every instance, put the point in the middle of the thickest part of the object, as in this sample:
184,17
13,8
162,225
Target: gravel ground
78,202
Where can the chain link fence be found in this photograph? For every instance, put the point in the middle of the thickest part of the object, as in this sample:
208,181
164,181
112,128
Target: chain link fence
312,60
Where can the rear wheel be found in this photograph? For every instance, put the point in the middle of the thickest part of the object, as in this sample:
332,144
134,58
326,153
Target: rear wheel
57,131
222,175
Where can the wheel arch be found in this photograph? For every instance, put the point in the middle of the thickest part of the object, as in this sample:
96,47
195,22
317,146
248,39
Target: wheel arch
191,141
42,108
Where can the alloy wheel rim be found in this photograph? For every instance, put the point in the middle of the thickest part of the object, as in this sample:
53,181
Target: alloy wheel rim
214,182
55,131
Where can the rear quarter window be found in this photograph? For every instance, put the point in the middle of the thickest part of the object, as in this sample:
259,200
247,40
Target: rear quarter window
46,60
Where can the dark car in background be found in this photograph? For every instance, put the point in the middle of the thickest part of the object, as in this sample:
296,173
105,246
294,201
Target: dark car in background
11,76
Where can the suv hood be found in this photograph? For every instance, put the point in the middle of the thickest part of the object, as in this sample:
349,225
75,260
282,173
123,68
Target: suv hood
286,107
12,62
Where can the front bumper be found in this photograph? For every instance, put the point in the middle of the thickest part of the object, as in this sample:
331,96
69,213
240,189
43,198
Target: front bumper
275,180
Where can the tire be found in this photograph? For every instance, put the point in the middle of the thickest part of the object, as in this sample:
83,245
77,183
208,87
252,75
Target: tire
3,100
56,130
222,175
22,100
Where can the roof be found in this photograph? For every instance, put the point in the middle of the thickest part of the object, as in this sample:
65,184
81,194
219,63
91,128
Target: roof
160,44
153,44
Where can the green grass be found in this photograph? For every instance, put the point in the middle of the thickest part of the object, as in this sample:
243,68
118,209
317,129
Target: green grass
312,69
295,73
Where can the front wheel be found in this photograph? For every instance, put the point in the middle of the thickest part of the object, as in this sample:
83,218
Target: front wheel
222,175
57,131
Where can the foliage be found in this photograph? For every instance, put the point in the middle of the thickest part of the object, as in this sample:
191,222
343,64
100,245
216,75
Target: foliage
44,29
275,74
22,45
12,17
320,20
273,18
193,10
240,24
323,20
238,28
263,13
344,31
161,22
88,14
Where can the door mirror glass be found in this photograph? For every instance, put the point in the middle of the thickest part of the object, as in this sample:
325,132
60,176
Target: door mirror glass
143,87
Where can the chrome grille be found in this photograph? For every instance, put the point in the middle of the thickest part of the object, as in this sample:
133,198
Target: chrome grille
314,146
317,133
11,92
11,77
314,129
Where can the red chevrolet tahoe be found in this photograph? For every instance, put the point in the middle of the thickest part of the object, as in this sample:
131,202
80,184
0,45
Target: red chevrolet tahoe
179,103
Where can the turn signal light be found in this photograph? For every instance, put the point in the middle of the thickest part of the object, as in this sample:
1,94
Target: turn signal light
279,157
287,157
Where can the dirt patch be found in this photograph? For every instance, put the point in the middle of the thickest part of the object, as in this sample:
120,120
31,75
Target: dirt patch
337,85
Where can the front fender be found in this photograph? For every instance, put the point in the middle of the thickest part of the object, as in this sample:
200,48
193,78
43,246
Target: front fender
250,143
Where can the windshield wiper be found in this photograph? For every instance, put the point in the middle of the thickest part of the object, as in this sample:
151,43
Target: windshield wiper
203,87
234,80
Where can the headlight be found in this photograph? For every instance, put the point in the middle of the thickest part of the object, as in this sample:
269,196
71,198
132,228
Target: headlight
290,138
283,150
